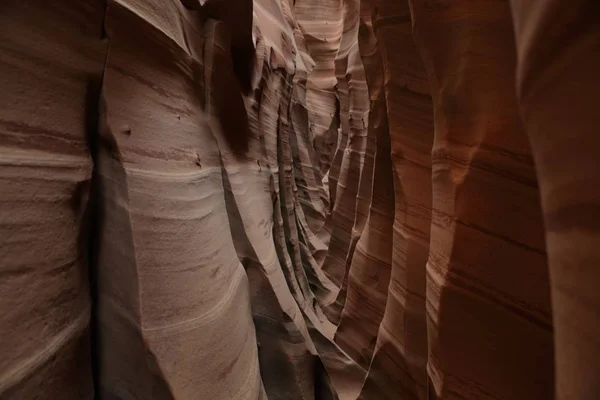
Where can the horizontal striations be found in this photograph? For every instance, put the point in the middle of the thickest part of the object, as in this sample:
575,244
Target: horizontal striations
298,358
298,199
346,77
167,17
487,279
321,24
51,58
288,358
369,272
398,366
174,298
368,277
557,86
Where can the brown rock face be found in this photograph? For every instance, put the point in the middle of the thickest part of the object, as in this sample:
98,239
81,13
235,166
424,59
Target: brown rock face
557,82
299,199
398,366
51,60
488,302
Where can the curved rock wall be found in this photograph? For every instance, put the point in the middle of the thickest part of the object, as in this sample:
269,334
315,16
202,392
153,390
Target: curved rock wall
51,62
169,282
398,366
488,307
298,199
557,83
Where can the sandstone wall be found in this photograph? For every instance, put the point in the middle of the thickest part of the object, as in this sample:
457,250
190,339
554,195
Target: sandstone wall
51,62
298,199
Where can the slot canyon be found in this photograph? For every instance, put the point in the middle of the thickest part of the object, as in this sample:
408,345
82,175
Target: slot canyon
299,200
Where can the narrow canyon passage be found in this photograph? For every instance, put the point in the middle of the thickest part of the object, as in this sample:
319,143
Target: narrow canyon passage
299,199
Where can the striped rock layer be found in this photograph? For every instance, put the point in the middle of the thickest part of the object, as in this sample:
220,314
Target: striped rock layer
299,199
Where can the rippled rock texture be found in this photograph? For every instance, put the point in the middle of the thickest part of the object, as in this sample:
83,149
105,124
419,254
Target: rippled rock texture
299,199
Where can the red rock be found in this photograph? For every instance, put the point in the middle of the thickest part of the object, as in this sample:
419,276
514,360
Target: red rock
298,199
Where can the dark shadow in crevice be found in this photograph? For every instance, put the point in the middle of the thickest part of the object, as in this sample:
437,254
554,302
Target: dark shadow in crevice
88,239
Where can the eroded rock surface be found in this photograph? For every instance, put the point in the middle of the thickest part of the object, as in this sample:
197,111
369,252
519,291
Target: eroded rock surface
51,62
309,199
